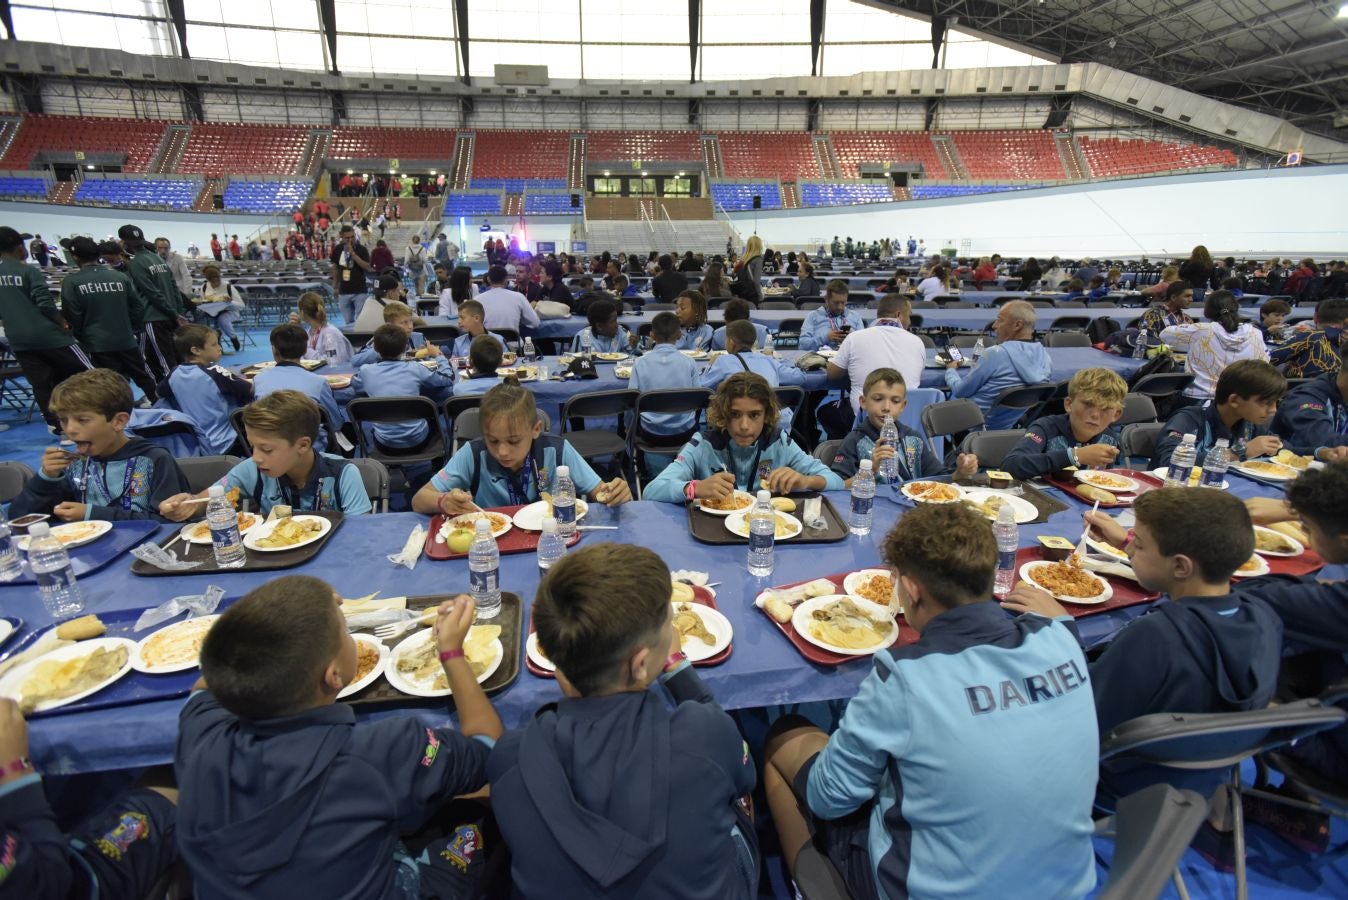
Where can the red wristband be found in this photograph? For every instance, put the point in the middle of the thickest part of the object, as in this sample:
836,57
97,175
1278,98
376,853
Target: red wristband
22,764
447,655
676,659
1129,538
690,490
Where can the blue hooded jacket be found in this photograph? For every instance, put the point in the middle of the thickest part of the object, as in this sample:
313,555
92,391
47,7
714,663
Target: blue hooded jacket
1012,364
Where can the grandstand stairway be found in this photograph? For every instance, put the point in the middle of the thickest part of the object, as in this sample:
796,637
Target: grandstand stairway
315,149
62,192
1068,152
828,160
9,129
170,149
514,205
902,193
949,156
644,236
790,195
209,189
575,164
462,167
711,156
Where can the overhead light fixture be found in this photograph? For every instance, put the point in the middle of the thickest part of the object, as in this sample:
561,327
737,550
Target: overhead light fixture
433,172
1343,11
90,168
645,173
681,174
350,171
607,174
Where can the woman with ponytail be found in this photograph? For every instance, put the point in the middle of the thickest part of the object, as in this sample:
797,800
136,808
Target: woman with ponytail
1215,344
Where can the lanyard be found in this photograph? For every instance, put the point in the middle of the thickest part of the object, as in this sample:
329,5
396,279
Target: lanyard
888,323
122,499
753,469
518,490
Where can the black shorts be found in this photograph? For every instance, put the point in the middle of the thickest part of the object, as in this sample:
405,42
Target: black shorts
130,844
845,842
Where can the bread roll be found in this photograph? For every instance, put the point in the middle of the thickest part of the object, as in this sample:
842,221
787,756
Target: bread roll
785,504
779,609
1293,530
81,629
682,593
1091,492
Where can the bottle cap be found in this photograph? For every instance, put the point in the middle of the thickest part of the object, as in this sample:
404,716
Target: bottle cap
1191,437
563,471
865,465
215,490
765,496
39,529
549,525
483,527
1006,515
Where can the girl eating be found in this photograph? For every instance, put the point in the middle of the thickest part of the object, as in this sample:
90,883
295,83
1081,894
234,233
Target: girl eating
742,449
691,308
512,463
325,341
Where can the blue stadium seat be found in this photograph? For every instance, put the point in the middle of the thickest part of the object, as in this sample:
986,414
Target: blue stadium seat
518,185
473,205
550,205
171,193
844,194
741,196
16,187
942,191
265,196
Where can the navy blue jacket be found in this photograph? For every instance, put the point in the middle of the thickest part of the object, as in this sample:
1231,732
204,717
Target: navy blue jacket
309,805
623,796
916,460
1205,423
127,484
1313,415
1046,445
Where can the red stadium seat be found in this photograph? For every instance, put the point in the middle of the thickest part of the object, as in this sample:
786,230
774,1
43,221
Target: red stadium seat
768,154
137,138
216,150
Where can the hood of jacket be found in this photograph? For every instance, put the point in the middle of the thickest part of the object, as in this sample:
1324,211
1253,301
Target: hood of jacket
1030,360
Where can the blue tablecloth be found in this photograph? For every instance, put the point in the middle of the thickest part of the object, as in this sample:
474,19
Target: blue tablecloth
763,670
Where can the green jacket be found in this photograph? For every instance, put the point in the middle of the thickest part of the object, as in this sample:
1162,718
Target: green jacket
30,316
104,309
154,282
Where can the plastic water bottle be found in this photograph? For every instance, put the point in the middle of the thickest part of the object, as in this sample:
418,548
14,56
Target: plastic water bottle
1182,462
1140,349
863,498
551,547
564,502
889,435
223,522
979,349
1008,542
768,348
586,343
762,535
11,566
1215,464
484,569
50,563
529,355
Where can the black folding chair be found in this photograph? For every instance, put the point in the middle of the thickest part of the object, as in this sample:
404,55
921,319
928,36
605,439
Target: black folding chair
375,476
1025,398
1327,794
1137,408
13,476
439,334
1151,830
642,443
991,447
598,444
365,411
951,419
203,471
788,333
1138,442
510,336
1067,339
452,407
791,397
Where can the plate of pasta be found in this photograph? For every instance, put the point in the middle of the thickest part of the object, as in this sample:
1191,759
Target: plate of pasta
874,586
932,492
1067,582
845,625
739,501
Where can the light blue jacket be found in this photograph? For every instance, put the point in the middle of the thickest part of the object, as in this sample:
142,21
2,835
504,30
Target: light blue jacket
288,376
814,332
548,452
718,337
698,338
464,341
1012,364
619,343
368,354
664,368
333,484
475,385
774,371
709,453
401,378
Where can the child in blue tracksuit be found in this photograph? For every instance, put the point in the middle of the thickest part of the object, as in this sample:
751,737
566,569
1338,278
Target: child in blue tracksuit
288,343
605,334
885,394
400,316
743,449
109,476
470,324
1203,650
741,357
204,390
1245,399
1085,436
484,358
394,376
691,308
933,747
734,311
621,789
1313,417
663,367
512,463
283,794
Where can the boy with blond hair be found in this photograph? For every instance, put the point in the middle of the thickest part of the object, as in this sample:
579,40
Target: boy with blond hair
399,315
1085,436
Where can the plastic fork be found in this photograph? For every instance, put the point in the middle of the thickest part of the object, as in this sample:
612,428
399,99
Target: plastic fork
398,629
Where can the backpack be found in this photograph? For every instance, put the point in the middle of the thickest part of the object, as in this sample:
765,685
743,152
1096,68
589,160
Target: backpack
1101,328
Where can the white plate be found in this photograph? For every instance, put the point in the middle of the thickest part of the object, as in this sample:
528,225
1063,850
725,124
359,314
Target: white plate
1099,479
1162,472
530,518
610,356
694,354
1300,548
1026,572
6,629
73,534
1261,569
368,640
193,539
854,580
535,654
1277,473
738,523
467,521
717,624
11,684
1109,550
259,532
1024,510
827,352
407,686
728,512
138,661
800,620
908,492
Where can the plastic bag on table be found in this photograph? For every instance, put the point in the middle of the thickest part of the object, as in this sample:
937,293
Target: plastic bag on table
195,605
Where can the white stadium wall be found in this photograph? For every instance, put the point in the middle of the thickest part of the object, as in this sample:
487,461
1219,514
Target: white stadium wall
1287,211
99,222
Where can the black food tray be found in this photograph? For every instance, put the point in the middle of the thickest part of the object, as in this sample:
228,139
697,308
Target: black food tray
711,529
256,562
1046,505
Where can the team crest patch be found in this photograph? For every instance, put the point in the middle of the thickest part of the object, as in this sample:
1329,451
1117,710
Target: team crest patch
131,827
432,749
459,851
8,856
1034,436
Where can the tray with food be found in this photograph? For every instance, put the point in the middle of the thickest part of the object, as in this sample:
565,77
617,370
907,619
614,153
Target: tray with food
1267,471
929,491
705,634
830,624
88,557
100,661
1285,550
1002,484
276,544
1112,487
1084,593
729,524
450,537
411,673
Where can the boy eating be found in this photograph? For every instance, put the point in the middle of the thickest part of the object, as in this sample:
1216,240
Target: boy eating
470,324
484,358
109,476
885,394
399,315
663,367
283,794
933,748
611,791
204,390
393,376
605,334
1244,400
288,345
284,467
1085,436
1271,316
734,311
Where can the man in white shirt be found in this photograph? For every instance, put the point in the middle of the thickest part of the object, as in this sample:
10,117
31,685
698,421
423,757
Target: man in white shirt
505,308
416,262
886,343
177,265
